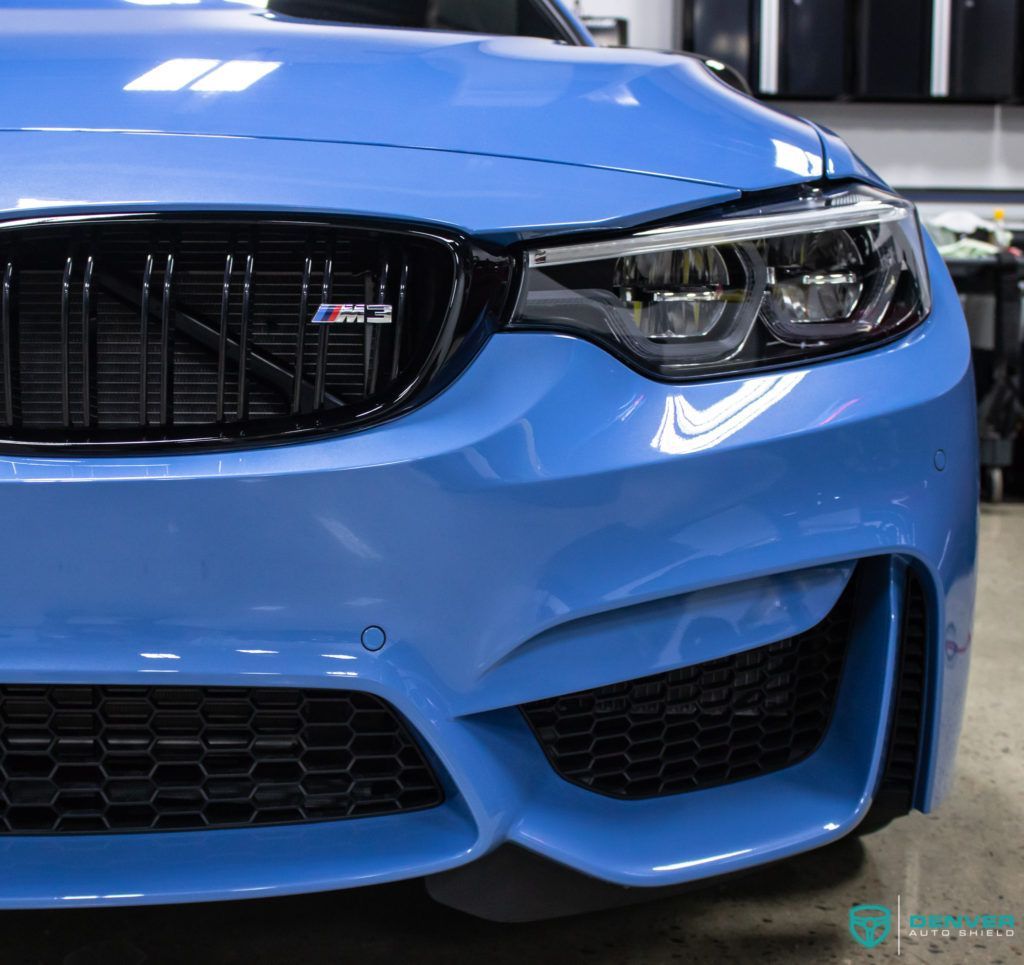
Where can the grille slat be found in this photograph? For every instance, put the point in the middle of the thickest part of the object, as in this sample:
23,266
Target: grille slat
118,759
243,340
167,345
8,340
147,280
403,284
371,346
300,335
88,347
320,381
65,343
701,726
198,330
222,344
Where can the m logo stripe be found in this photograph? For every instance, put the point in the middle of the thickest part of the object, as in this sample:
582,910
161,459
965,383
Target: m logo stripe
353,315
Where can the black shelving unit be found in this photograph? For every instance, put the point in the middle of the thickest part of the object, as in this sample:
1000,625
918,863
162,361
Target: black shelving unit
868,50
724,29
997,369
985,51
815,46
893,50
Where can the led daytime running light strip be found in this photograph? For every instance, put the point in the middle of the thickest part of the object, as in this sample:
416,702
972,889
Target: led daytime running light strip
862,212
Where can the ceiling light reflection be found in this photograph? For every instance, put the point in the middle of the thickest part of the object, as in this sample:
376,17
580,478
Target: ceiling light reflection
235,75
50,203
685,428
696,862
172,74
790,157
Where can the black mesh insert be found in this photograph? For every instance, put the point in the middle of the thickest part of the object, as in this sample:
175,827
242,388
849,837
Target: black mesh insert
701,726
85,759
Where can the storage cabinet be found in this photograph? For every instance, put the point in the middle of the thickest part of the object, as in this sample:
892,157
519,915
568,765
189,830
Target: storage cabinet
985,49
814,42
894,49
725,30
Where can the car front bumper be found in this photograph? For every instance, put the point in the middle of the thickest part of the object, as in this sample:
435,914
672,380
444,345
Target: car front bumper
521,536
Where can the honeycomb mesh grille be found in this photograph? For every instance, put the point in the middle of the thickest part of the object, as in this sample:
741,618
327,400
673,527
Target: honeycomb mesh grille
710,724
85,759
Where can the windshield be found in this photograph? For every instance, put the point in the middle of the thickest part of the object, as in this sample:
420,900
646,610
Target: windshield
527,18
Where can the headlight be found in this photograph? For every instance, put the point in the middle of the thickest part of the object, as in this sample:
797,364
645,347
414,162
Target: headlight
826,274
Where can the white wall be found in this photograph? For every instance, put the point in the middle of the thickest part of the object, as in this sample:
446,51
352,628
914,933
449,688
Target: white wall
934,145
931,145
651,22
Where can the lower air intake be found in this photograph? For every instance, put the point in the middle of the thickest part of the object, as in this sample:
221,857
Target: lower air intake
702,726
80,759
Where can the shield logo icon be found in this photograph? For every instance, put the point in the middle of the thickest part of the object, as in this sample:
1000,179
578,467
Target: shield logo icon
870,924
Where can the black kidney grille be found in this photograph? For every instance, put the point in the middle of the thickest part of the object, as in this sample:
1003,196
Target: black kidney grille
80,759
725,720
149,329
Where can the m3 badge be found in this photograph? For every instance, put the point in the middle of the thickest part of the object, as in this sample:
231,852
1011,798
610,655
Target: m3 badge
353,315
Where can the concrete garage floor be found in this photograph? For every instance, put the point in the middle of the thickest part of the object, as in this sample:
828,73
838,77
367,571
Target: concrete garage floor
968,858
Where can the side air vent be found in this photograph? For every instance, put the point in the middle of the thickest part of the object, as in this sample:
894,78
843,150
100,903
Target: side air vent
899,778
705,725
141,330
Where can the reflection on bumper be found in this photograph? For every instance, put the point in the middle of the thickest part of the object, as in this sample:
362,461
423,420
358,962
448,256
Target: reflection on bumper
553,522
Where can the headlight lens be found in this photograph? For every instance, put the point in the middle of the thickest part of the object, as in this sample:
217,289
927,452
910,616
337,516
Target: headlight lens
826,274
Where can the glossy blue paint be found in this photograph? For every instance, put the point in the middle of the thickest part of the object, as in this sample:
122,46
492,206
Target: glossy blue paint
509,522
670,632
134,869
629,110
840,162
500,199
734,826
552,521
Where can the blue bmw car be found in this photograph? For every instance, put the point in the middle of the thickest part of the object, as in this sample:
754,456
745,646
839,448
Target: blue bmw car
436,447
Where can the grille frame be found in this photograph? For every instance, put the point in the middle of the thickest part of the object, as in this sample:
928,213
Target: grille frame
840,622
411,744
483,281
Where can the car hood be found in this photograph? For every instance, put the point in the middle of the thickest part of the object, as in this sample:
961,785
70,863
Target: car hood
89,66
